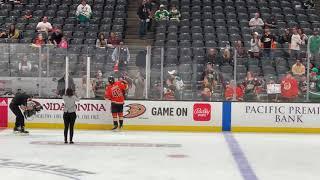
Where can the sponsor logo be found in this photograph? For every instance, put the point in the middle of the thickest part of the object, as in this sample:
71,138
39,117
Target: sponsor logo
3,103
135,110
70,173
201,112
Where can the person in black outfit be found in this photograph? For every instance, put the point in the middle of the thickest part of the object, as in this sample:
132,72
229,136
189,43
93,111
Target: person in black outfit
267,40
144,13
19,101
69,115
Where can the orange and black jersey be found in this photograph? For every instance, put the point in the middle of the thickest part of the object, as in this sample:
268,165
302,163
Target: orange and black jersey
116,92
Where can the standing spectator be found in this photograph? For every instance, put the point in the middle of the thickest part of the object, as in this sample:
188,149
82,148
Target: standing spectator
226,56
84,13
267,43
162,14
285,37
255,44
99,85
39,41
174,13
113,40
28,15
250,85
44,26
69,114
315,45
121,57
256,22
289,87
63,43
304,37
214,57
101,41
271,22
241,51
294,44
14,33
24,65
56,36
144,13
298,69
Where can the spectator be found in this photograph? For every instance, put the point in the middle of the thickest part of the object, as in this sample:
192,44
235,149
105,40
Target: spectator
177,82
84,13
226,56
213,57
289,87
99,85
174,13
121,57
251,85
13,32
63,43
315,45
229,92
256,22
206,94
255,45
267,43
56,36
298,69
24,65
113,40
241,51
308,4
162,14
304,37
3,34
44,26
101,41
28,15
294,44
285,37
39,41
144,13
169,90
271,22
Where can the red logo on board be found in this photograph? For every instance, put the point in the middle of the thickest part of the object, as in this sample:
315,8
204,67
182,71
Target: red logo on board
201,112
3,112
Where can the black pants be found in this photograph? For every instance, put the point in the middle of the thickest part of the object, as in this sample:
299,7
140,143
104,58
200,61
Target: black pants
69,120
19,116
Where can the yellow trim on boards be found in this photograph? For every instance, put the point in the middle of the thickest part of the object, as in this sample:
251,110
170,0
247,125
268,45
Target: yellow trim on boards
275,129
126,127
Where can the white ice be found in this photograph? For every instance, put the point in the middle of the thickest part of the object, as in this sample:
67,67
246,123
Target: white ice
198,156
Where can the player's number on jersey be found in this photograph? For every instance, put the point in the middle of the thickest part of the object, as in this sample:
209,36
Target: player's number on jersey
116,92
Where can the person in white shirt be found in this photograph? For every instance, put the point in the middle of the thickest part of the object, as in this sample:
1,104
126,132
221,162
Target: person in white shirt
44,26
256,22
294,44
255,44
84,13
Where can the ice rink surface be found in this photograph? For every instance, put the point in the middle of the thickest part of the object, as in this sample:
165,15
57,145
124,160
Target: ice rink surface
129,155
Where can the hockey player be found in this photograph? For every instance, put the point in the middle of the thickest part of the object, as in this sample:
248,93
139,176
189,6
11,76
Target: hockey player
115,92
19,101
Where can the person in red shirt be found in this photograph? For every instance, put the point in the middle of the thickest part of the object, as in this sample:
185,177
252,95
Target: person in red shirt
115,92
289,87
229,92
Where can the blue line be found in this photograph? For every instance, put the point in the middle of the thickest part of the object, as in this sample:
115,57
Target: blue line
226,116
240,158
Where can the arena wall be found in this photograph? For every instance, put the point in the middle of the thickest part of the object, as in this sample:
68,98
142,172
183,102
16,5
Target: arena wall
179,116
